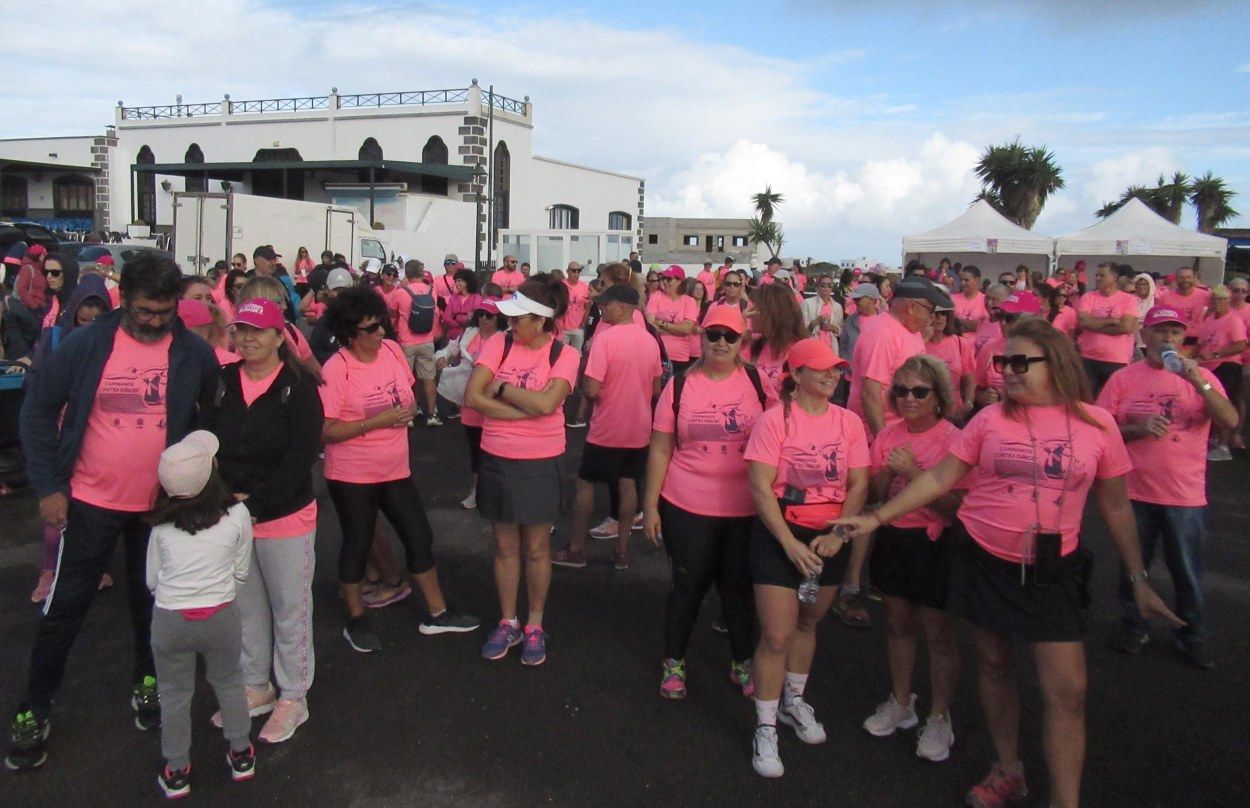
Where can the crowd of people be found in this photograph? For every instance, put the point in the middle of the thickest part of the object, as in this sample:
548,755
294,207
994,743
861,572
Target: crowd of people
802,444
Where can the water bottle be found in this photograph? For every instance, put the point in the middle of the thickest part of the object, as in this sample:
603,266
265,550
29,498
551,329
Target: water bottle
1172,360
810,588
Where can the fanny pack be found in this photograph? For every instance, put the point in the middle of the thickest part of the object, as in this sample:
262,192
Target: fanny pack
816,515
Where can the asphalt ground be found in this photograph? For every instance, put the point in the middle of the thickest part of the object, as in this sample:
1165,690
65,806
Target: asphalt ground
428,722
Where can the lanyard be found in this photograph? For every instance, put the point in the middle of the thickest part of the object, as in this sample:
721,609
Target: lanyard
1036,528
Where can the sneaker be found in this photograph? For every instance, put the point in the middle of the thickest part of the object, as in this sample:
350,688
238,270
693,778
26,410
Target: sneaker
620,560
936,739
800,715
576,423
1195,653
175,783
44,587
28,742
146,703
853,611
891,715
606,529
873,593
449,623
764,756
997,789
534,651
568,557
242,764
1219,453
469,503
637,524
434,420
740,677
287,717
673,680
387,595
1130,640
504,636
360,636
453,416
260,700
720,626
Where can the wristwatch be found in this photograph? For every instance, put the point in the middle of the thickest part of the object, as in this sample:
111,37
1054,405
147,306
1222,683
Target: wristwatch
1205,387
1140,577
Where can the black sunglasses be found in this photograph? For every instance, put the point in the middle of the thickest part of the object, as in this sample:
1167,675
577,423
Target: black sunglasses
237,266
1019,363
732,283
372,328
919,393
718,334
52,273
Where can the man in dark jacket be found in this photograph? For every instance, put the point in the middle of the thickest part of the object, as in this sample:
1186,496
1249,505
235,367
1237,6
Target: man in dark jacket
104,406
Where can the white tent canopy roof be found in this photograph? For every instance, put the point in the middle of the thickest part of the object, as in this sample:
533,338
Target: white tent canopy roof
982,236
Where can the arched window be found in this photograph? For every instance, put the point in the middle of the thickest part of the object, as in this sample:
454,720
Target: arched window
195,155
13,199
619,220
284,184
147,188
563,217
369,150
502,168
435,151
73,196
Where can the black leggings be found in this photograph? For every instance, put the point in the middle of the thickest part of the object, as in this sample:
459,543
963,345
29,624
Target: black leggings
706,550
473,434
358,504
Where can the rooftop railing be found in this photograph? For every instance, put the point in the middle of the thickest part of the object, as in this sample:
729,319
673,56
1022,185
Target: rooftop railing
405,98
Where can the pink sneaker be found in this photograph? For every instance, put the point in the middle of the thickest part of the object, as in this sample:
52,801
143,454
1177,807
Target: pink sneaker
287,717
260,700
673,681
998,788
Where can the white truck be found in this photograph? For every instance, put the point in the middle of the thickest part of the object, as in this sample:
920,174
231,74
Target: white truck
211,227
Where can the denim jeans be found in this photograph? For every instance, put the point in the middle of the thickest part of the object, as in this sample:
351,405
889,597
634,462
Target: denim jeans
1183,534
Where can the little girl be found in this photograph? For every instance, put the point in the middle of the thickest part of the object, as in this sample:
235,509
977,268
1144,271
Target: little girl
200,548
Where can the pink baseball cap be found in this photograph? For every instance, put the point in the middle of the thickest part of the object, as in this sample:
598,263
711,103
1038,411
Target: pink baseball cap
259,313
729,316
487,306
815,354
1163,314
106,260
1022,303
194,313
37,250
674,271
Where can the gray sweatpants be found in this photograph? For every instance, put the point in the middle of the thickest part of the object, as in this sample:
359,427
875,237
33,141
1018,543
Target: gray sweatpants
175,643
275,603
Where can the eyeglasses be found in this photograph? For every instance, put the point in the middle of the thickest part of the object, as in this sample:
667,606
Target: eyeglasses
920,393
52,273
1019,363
718,334
143,312
929,307
372,328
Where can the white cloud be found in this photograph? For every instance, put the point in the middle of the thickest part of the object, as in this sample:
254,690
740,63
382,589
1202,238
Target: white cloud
1245,68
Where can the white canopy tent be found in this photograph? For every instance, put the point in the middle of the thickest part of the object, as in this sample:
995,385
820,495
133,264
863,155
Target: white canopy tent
984,237
1137,236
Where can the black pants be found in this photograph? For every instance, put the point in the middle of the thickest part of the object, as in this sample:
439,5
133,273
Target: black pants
702,551
358,504
90,537
473,434
1098,373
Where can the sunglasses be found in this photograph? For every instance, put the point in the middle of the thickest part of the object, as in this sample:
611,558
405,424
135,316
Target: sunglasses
920,393
52,273
391,274
237,266
734,284
718,334
1019,363
372,328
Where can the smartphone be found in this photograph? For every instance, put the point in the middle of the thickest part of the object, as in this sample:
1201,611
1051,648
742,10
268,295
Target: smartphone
794,496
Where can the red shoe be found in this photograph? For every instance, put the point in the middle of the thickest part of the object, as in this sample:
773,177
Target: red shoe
998,788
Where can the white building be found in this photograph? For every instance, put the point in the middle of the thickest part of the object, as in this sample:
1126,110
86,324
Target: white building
440,170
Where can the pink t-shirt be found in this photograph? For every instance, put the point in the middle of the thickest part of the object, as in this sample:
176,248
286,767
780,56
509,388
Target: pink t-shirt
299,343
400,304
999,510
304,520
971,309
356,390
811,452
883,346
468,415
770,366
682,309
1216,334
929,447
957,355
1116,348
830,338
509,282
987,331
1171,470
708,279
987,376
314,311
126,433
604,325
708,474
1244,314
579,301
1065,321
626,360
527,368
1190,306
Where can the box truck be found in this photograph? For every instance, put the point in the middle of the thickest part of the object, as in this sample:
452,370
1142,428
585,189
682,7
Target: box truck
211,227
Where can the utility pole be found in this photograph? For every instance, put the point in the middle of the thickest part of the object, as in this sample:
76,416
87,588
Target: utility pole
490,174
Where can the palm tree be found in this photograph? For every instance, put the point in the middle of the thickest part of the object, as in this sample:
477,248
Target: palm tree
1141,192
996,201
766,233
1211,199
766,203
1170,197
1020,177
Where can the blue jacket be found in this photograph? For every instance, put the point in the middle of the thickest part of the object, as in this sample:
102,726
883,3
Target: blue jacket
68,381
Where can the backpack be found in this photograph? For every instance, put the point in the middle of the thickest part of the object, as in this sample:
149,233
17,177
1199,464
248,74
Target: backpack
679,381
421,317
556,347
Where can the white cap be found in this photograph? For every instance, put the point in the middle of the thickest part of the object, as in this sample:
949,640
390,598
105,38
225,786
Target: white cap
371,265
519,305
185,467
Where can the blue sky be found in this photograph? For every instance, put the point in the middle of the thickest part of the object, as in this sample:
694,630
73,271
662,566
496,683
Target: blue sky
867,117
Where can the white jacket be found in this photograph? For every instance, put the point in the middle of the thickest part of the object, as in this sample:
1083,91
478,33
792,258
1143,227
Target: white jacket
810,309
197,571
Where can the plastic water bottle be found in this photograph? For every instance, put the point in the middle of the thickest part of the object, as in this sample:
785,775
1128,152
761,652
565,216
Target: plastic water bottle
810,588
1172,361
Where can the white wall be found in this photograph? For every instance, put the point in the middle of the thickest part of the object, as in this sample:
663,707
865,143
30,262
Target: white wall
75,151
539,183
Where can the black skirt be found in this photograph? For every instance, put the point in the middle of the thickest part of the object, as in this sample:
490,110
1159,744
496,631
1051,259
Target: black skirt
770,566
906,564
520,492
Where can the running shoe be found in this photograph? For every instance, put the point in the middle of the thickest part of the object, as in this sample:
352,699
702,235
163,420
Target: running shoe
434,420
673,679
287,717
469,503
740,677
176,783
606,529
576,423
387,595
853,610
454,415
637,525
764,755
534,649
28,742
360,636
936,739
242,764
568,557
800,715
1219,453
504,636
998,788
620,560
873,593
891,715
146,703
260,700
449,622
1130,640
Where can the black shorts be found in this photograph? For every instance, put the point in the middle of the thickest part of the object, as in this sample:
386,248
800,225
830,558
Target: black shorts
770,566
607,464
906,564
520,492
1229,374
986,591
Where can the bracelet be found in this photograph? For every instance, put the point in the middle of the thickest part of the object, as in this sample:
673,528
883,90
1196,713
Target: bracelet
1139,577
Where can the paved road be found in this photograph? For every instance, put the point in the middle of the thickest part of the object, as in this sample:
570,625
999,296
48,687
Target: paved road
428,722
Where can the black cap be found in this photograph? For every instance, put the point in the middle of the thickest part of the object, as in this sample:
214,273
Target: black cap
620,293
773,260
265,251
918,288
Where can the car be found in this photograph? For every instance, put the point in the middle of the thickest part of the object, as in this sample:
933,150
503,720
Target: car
90,253
29,232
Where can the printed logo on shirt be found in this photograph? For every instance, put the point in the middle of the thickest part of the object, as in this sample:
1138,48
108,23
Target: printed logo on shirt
1051,466
1169,406
814,465
526,378
134,391
720,423
380,399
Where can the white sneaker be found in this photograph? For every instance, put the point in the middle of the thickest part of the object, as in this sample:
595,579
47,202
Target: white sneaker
434,420
1219,453
764,755
604,530
637,525
260,701
891,716
800,715
469,502
936,739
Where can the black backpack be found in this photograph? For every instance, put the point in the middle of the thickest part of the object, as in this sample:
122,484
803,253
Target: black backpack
679,381
421,317
556,347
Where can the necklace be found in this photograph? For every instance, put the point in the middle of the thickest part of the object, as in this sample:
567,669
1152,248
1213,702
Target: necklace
1036,527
